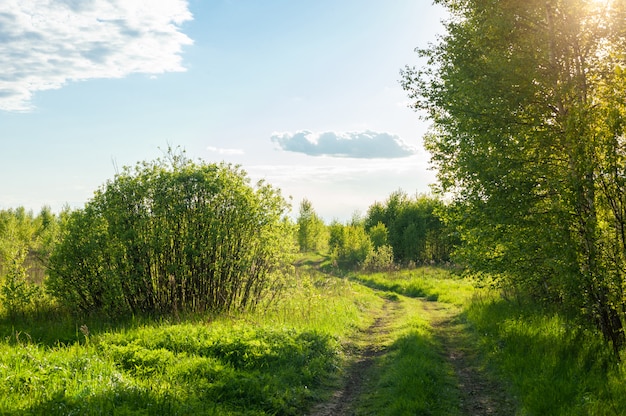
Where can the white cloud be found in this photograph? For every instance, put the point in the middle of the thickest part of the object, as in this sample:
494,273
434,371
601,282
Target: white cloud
361,145
46,43
225,151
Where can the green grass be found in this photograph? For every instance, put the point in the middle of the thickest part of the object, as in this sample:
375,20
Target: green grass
432,283
412,377
556,367
277,360
290,354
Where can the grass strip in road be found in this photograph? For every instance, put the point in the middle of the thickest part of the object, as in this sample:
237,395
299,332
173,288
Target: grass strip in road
412,377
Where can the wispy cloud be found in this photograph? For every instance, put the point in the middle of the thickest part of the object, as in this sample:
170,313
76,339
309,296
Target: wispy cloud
225,151
361,145
46,43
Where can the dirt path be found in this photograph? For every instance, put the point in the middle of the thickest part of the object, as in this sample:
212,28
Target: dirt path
480,395
366,348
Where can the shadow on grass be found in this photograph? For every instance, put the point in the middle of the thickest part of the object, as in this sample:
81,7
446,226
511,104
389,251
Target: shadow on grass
411,291
52,326
555,365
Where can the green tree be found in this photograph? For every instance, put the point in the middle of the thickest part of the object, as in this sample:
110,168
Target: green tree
25,245
173,235
312,232
412,227
349,244
525,103
379,235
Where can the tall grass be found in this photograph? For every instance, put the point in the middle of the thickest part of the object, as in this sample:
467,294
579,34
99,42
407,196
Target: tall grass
555,366
277,360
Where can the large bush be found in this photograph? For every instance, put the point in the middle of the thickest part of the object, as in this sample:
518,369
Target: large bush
172,235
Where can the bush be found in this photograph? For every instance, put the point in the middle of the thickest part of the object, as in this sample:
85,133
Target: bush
380,259
172,236
349,244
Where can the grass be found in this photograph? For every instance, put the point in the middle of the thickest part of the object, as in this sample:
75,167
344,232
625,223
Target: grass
555,367
431,283
278,360
412,377
290,354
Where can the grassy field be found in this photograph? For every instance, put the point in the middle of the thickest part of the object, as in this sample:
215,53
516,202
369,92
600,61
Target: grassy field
293,354
278,360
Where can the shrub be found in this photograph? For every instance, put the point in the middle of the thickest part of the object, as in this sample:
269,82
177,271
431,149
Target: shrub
349,244
380,259
170,236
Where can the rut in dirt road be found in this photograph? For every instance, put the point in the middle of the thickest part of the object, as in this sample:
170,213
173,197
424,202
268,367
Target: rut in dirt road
480,395
367,349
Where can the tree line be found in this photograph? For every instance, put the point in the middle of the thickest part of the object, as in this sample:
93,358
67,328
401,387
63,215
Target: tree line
173,235
402,230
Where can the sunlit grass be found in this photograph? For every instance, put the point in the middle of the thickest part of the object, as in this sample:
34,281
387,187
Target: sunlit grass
289,354
432,283
412,377
277,360
555,366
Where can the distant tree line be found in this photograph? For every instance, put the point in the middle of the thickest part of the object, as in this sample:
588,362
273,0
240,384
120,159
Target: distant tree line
172,235
400,231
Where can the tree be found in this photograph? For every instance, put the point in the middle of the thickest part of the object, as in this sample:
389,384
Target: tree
349,244
525,100
312,232
172,235
379,235
411,226
25,245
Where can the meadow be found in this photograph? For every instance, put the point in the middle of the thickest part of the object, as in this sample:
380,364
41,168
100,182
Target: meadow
291,356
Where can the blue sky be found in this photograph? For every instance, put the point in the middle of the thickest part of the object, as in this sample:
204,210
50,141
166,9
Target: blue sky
304,94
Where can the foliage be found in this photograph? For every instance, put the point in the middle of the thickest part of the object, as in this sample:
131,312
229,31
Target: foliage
312,232
349,244
379,235
379,259
412,227
25,245
170,236
16,292
527,104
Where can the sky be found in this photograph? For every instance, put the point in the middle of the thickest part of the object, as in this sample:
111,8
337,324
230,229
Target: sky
302,94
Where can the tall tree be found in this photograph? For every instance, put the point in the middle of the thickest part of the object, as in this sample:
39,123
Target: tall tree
525,98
